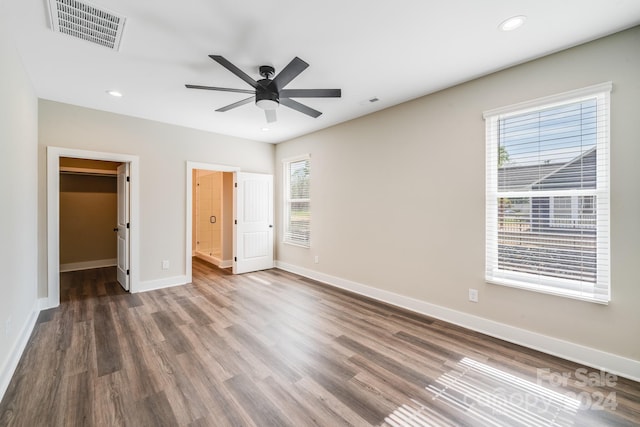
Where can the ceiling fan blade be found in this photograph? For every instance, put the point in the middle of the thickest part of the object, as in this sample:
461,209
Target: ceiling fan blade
236,104
235,70
223,89
300,107
288,73
310,93
270,115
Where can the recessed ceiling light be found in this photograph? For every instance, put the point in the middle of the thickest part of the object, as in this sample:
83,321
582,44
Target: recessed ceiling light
513,23
115,93
264,129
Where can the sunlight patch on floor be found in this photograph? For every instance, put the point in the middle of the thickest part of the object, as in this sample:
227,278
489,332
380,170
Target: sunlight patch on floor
487,396
500,398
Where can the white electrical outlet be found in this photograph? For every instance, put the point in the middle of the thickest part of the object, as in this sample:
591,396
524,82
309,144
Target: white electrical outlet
473,295
316,259
165,264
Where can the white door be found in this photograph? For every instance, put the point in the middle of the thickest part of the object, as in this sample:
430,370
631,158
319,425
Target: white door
123,225
253,228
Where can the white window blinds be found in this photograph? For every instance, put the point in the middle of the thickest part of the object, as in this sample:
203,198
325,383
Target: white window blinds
547,195
297,201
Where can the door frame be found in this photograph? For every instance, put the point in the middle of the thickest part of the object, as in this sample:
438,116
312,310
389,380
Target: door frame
191,166
53,214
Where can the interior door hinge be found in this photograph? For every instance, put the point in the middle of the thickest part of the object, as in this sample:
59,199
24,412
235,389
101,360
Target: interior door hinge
128,225
235,259
235,184
128,179
127,272
235,221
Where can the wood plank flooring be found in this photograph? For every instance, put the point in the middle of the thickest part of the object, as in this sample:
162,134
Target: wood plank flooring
274,349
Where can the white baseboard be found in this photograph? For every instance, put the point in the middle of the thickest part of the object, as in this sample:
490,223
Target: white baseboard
588,356
222,263
7,371
45,304
152,285
88,265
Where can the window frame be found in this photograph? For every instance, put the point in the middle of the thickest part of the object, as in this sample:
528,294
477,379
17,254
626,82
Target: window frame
287,201
600,292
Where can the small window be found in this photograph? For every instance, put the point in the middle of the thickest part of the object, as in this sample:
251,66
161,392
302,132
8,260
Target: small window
297,201
547,188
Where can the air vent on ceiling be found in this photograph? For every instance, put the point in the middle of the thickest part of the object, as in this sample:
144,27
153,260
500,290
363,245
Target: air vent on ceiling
87,22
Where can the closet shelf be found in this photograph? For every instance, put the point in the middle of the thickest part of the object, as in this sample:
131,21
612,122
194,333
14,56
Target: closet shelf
86,171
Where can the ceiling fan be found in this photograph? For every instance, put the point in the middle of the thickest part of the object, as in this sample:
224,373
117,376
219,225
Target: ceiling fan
269,92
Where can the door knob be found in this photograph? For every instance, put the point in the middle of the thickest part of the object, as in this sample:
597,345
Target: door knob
115,229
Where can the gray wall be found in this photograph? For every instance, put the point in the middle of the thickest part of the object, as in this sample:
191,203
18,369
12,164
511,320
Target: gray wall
18,192
398,198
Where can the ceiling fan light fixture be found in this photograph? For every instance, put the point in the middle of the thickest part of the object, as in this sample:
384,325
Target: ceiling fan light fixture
267,100
267,104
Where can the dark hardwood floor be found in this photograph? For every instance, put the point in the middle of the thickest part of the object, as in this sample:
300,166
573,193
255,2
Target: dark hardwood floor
274,349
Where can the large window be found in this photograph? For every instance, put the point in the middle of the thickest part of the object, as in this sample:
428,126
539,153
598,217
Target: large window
547,188
297,202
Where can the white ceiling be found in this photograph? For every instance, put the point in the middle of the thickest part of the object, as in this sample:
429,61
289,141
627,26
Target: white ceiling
395,51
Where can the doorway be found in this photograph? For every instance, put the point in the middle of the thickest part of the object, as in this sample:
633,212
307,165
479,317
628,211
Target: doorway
252,241
211,248
88,214
54,154
212,236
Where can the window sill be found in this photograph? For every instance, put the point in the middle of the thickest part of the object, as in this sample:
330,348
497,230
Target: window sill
299,245
549,290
